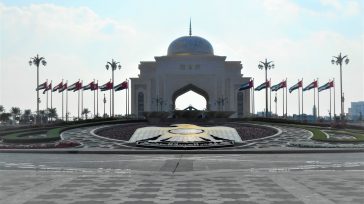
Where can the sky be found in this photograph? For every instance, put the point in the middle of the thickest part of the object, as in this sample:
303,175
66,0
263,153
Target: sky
78,37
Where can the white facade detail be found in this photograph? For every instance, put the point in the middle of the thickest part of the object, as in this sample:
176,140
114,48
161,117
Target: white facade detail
190,65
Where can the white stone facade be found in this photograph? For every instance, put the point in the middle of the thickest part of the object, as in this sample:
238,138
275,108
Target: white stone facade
161,81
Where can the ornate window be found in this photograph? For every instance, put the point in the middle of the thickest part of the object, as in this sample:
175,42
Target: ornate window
240,104
140,104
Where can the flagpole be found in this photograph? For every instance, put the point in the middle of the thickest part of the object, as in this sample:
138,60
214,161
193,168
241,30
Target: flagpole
67,102
94,97
51,96
314,102
253,99
82,101
330,104
318,101
78,107
334,100
62,101
286,100
126,102
270,97
302,101
46,88
97,97
298,93
62,107
283,102
110,103
250,101
47,98
128,98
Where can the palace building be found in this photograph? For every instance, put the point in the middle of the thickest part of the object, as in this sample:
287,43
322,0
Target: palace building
190,65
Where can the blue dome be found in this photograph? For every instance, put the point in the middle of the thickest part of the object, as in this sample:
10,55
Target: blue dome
190,45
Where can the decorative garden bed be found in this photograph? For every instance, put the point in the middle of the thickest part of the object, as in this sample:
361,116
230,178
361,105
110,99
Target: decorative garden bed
246,131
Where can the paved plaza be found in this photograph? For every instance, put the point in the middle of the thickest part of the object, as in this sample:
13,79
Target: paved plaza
190,179
288,137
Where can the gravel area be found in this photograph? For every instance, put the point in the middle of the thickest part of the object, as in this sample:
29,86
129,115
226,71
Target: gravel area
245,131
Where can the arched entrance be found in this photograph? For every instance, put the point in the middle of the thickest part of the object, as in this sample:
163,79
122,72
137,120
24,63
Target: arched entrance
190,98
187,88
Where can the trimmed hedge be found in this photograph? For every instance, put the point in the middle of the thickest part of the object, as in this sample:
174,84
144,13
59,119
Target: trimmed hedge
22,137
54,134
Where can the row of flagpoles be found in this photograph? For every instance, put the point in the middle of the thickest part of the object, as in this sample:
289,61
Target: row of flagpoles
283,85
77,86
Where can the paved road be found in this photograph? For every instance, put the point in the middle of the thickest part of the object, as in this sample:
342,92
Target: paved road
192,179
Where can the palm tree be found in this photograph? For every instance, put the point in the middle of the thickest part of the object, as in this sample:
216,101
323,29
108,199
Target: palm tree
5,117
52,113
26,115
85,112
15,111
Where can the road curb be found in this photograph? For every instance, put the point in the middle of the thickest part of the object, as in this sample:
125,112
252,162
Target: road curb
158,151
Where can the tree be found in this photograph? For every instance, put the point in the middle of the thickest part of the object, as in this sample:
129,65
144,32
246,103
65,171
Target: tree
5,117
15,111
26,115
2,109
43,116
85,112
52,113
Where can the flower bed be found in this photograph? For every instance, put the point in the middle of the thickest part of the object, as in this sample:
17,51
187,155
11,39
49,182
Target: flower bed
59,144
246,132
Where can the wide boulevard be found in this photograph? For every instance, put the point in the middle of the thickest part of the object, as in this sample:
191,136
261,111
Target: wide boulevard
191,179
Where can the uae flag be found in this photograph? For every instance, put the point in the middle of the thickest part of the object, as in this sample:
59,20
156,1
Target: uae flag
75,87
59,86
263,86
49,87
122,86
311,86
64,87
326,86
89,86
94,86
246,86
42,86
296,86
280,85
106,86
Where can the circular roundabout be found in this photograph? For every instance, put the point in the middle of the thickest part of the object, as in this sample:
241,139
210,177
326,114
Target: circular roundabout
139,135
172,136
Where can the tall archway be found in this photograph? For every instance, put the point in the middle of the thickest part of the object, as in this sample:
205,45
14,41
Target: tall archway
190,98
187,88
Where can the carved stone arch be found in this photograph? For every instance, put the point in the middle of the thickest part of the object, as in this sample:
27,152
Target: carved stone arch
187,88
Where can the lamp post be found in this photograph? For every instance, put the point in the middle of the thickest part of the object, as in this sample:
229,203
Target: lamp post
221,103
113,65
339,61
104,105
266,65
159,101
37,61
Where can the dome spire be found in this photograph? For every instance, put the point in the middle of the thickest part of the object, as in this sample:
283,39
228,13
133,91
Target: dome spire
190,28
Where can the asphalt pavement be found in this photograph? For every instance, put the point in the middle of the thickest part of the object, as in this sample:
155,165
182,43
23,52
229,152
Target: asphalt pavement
180,178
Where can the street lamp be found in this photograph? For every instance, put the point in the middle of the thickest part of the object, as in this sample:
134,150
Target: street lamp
113,65
37,61
266,65
104,104
339,61
159,101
